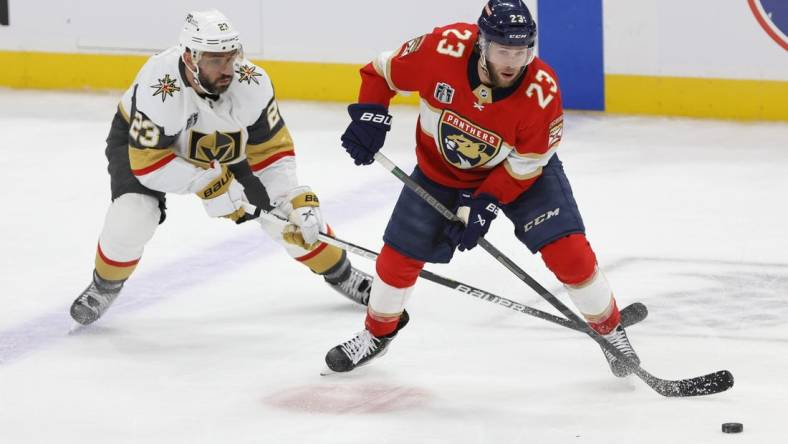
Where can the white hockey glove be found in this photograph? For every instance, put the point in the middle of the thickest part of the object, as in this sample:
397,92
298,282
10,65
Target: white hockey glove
222,195
301,207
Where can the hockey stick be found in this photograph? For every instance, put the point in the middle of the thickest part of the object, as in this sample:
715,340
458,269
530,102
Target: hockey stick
702,385
630,315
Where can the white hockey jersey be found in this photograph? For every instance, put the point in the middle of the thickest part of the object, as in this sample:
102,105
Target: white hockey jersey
174,133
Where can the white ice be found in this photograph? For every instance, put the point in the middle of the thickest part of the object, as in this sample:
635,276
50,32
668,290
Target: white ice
219,337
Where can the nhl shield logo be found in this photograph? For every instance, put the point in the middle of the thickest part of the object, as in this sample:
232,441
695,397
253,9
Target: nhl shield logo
444,93
465,144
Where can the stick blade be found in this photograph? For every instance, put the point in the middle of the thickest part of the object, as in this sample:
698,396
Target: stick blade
710,384
633,314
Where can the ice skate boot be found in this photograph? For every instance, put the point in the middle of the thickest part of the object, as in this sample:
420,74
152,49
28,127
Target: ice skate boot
618,338
362,348
95,300
356,286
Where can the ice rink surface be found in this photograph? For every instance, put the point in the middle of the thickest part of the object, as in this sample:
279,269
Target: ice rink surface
219,336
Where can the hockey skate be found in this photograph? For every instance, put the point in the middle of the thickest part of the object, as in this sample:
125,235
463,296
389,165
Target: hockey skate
618,337
355,287
95,300
361,349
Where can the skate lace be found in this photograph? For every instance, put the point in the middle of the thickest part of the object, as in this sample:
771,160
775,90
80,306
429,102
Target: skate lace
353,284
103,297
620,341
92,292
363,344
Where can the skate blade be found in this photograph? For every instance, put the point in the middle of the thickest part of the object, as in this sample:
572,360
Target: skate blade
76,327
327,371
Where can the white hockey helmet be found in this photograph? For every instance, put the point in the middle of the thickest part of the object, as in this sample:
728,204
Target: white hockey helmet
209,31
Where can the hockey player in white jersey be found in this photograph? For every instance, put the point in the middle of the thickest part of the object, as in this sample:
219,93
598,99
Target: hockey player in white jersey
201,119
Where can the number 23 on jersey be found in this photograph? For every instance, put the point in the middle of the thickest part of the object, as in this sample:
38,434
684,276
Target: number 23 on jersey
457,49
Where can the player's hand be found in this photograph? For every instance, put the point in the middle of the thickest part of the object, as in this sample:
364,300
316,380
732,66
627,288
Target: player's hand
302,208
222,196
477,212
367,131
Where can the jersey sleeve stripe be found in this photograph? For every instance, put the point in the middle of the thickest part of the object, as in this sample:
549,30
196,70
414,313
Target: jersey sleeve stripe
523,164
382,66
145,161
267,162
521,176
263,154
123,112
428,117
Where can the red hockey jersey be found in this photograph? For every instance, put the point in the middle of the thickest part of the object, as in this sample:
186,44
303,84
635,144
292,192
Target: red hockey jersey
469,135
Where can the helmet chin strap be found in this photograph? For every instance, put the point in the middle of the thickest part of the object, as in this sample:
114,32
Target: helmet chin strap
196,72
484,64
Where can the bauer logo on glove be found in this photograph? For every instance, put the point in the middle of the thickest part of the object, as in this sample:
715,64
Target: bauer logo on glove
219,185
222,196
302,208
376,118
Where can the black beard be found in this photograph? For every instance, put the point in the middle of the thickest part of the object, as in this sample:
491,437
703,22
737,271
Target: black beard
211,87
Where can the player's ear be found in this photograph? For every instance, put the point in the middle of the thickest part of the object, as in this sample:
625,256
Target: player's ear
187,58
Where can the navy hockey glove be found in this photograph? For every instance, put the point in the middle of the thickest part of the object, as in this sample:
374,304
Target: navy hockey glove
366,133
478,212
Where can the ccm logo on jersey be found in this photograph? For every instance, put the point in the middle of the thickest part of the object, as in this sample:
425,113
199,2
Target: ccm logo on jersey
541,219
376,118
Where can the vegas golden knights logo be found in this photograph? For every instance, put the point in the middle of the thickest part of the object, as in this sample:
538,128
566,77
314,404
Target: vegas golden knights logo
222,147
465,144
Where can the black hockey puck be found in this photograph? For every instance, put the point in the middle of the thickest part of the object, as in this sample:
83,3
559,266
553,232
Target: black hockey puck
732,427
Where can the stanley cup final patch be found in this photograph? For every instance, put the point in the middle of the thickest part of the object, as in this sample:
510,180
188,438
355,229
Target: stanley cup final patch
555,132
444,93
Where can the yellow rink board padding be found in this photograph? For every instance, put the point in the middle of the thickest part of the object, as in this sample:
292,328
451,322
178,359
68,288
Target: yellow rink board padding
47,70
678,96
697,97
336,82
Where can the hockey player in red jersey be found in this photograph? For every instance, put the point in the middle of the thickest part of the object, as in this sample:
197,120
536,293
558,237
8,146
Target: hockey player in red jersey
201,119
489,125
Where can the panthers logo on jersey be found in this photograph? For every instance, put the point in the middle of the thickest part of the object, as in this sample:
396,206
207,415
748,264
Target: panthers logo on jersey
465,144
220,146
